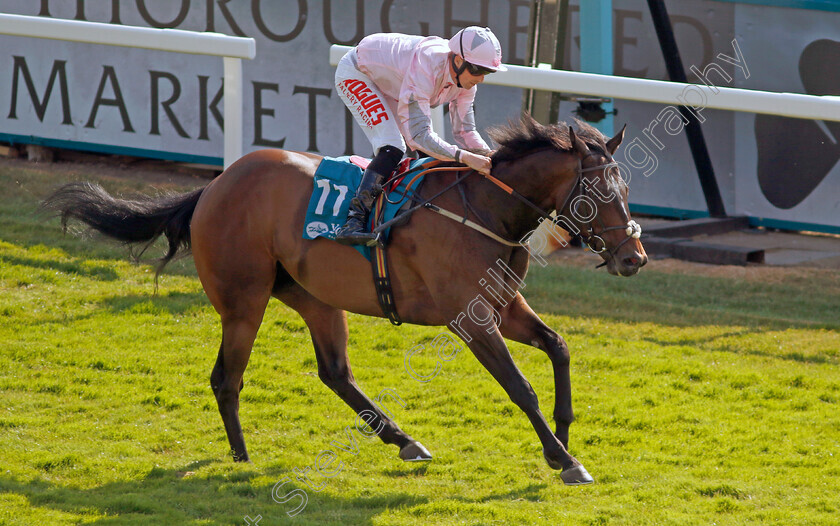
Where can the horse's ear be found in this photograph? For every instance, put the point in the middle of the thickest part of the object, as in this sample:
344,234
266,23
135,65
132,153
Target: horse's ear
577,145
612,144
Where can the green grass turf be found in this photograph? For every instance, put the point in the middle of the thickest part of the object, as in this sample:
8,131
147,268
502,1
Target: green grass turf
699,400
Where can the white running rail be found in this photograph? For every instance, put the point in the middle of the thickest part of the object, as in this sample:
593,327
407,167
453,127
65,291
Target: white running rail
678,94
231,49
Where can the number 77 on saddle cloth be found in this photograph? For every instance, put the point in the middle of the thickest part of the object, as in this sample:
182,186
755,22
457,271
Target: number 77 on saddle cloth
335,183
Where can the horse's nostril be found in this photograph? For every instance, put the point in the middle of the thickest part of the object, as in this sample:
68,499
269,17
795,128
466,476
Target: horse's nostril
630,261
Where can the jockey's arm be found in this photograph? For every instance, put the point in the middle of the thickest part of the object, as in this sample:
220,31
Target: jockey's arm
462,116
422,137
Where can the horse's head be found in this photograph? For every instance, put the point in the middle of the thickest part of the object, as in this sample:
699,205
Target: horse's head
597,204
575,175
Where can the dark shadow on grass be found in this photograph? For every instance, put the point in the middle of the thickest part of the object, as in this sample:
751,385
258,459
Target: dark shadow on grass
81,242
530,492
97,247
187,496
697,341
175,303
171,303
792,356
417,470
97,272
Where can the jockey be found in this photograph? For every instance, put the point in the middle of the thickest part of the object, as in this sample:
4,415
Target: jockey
390,82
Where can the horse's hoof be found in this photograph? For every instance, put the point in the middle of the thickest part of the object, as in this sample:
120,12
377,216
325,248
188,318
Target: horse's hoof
415,452
576,476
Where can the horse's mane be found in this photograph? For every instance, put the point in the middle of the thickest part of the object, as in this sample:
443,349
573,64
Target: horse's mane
519,138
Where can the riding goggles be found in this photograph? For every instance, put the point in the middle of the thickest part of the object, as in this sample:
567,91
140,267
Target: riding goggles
477,71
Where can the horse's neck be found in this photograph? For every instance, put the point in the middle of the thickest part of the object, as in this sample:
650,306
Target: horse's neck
536,177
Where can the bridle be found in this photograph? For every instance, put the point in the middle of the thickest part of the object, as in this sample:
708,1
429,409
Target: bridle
593,240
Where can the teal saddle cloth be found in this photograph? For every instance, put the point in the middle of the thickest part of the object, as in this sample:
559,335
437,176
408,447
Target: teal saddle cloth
336,180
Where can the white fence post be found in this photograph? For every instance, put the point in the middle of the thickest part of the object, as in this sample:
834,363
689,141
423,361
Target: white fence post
233,109
437,120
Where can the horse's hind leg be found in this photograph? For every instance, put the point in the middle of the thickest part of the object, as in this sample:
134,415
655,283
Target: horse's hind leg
241,303
328,328
238,334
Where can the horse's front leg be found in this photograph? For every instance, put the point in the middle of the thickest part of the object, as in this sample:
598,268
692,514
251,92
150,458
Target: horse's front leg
491,351
521,324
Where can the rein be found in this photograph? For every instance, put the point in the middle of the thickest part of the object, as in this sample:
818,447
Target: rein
422,203
594,240
427,204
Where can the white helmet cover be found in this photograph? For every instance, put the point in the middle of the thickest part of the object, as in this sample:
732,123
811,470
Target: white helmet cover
479,46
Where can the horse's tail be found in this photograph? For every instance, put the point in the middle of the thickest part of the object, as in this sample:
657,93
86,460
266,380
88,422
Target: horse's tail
141,220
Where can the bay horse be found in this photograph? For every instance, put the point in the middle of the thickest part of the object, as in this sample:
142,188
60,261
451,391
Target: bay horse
245,232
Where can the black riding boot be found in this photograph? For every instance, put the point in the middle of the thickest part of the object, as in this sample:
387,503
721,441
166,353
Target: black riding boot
354,232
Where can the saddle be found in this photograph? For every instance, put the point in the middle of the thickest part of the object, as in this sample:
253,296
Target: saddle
335,182
395,179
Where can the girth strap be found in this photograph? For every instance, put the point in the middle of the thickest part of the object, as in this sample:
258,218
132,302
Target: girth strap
381,276
382,282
